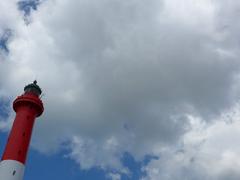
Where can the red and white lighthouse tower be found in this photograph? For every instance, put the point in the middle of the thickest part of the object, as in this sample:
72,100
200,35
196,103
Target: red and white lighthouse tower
27,107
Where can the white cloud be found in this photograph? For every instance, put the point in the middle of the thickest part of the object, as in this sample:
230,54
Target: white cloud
206,152
124,76
85,150
114,176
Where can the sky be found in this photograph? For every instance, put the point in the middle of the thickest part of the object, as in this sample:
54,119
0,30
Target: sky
143,90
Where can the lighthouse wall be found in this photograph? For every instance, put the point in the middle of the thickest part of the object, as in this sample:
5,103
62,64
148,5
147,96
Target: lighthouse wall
11,170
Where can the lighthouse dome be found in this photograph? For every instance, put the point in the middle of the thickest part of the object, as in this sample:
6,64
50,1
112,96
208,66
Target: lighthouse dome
33,88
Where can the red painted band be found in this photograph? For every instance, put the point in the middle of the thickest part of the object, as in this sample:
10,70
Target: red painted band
27,108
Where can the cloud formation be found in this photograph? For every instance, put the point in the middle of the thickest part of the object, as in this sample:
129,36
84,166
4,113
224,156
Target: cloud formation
206,152
124,76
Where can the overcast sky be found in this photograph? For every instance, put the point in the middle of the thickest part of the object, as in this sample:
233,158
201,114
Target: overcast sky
150,78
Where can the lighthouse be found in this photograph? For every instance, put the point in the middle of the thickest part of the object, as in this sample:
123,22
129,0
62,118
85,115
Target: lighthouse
28,107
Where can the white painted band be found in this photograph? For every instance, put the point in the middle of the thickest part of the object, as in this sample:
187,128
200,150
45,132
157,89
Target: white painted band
11,170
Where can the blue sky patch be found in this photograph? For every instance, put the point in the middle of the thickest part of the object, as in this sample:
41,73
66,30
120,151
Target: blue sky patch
57,167
4,107
27,6
4,38
134,166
